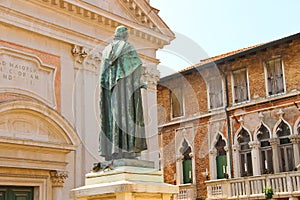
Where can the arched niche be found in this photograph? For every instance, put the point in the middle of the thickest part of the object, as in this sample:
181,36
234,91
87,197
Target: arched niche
34,136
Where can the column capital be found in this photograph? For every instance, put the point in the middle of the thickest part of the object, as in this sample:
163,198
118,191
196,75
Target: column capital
295,139
236,147
179,158
86,59
79,53
151,76
226,148
254,144
213,152
58,178
273,141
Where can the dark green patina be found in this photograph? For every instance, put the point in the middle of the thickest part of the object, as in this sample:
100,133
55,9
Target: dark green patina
122,133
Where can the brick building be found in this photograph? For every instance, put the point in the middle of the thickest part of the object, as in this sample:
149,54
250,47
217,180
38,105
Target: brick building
230,126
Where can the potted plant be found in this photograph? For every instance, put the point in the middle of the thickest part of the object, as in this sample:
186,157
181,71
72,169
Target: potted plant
268,193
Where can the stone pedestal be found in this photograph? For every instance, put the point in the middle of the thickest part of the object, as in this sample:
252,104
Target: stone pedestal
125,179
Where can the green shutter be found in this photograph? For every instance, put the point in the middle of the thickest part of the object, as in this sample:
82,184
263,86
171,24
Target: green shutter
187,171
16,193
3,193
221,161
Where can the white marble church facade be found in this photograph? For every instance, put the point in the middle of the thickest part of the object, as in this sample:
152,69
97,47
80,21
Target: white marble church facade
49,63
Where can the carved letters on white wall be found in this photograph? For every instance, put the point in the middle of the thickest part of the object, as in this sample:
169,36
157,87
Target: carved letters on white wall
24,73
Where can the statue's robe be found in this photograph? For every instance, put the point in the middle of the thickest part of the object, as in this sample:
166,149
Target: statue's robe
122,132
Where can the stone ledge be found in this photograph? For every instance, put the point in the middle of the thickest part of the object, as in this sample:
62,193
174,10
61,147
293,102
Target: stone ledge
125,173
123,186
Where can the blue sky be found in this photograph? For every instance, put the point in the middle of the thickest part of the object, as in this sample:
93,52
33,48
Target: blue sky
213,27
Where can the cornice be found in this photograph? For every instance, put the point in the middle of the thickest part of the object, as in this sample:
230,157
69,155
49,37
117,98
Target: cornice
110,21
48,29
145,15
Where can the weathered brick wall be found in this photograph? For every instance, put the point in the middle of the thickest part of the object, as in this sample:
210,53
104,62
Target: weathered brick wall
290,54
169,155
201,156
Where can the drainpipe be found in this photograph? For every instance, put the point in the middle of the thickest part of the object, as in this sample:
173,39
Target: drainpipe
228,123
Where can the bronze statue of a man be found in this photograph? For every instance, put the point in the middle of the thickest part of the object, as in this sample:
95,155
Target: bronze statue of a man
122,133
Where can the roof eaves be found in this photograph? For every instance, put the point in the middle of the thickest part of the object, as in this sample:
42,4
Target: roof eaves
230,57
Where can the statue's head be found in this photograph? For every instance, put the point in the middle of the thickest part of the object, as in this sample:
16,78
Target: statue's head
121,33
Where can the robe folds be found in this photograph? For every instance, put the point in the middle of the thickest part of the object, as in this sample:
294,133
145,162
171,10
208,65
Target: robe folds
122,132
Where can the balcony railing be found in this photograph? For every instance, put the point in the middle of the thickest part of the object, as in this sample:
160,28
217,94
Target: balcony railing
186,192
285,184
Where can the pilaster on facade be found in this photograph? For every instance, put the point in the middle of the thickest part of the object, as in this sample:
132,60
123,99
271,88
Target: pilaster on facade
151,76
58,180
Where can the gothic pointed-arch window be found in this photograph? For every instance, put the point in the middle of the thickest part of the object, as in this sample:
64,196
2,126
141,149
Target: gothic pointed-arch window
187,163
245,153
266,161
221,159
285,147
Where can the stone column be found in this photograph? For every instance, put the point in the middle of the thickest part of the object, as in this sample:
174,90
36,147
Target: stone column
213,164
236,160
228,162
57,179
193,167
295,139
151,76
255,155
275,151
179,170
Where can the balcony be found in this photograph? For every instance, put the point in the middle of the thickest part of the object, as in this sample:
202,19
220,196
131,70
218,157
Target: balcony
284,185
186,192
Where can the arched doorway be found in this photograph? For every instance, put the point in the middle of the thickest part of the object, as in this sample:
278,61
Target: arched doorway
187,163
35,142
221,159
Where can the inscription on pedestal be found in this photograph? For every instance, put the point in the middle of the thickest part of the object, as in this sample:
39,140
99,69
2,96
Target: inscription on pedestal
24,73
